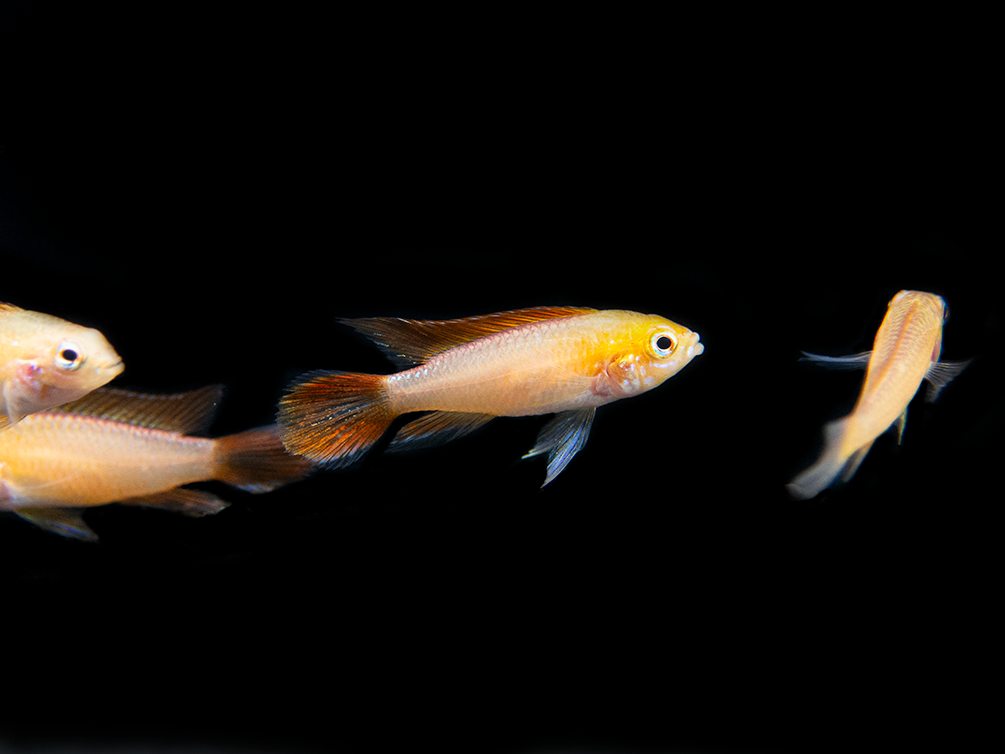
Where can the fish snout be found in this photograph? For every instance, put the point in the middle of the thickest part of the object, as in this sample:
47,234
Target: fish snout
695,347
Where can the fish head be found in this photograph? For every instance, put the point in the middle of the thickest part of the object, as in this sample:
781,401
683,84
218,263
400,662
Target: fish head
56,362
931,301
652,351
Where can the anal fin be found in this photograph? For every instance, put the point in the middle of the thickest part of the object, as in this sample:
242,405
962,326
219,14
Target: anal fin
436,428
188,502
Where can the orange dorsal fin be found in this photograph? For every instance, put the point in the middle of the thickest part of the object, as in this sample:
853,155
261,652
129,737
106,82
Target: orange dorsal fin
410,341
9,308
186,413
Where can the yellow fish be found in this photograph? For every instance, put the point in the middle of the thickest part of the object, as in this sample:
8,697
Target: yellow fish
564,360
906,351
117,446
46,361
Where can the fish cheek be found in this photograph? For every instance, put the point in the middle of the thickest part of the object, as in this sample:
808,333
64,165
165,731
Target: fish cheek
625,375
29,376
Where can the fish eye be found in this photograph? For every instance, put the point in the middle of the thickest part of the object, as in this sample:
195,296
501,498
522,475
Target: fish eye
663,344
69,356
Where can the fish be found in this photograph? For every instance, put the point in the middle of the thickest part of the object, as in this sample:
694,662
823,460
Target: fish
465,372
46,361
119,446
906,351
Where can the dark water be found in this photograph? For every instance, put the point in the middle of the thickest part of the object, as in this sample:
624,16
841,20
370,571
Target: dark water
214,217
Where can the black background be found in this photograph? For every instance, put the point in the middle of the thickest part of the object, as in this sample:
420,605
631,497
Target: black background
213,191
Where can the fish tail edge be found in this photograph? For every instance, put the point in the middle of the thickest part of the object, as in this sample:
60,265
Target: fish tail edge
826,469
257,461
333,418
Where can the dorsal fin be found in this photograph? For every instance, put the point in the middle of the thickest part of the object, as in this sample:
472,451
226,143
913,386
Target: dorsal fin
187,413
410,341
10,308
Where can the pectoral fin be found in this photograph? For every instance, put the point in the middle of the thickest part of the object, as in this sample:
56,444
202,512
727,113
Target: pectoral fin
561,438
855,361
66,522
940,373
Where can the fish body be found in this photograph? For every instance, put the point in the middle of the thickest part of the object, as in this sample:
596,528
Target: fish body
905,352
562,360
115,446
46,361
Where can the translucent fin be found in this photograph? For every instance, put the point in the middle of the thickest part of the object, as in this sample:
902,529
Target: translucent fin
940,374
408,342
334,417
186,413
852,464
825,470
855,361
66,522
561,438
901,423
437,428
256,461
181,500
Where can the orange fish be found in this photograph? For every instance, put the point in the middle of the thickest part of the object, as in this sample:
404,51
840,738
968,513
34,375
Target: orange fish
46,361
563,360
906,351
117,446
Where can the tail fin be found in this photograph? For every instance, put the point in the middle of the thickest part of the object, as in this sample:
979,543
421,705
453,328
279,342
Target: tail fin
256,461
832,460
334,417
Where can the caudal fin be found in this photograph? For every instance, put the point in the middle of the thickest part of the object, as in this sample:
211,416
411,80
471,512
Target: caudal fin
828,466
334,417
256,461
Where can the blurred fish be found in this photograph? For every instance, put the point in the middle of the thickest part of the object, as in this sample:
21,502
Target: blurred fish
906,351
467,371
117,446
46,361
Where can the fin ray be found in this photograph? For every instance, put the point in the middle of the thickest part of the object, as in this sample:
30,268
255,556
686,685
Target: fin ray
940,374
561,438
182,500
855,361
437,428
408,342
333,418
186,413
66,522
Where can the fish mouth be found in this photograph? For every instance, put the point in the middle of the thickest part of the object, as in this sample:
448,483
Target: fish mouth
117,368
696,348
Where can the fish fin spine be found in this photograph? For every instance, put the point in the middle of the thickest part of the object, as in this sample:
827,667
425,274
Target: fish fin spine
257,461
333,418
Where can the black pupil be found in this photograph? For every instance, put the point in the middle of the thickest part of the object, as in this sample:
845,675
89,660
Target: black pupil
664,343
68,354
